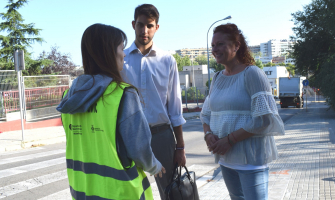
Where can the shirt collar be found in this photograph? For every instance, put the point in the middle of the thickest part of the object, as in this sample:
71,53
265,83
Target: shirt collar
152,51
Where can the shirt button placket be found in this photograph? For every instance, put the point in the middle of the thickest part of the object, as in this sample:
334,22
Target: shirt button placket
143,82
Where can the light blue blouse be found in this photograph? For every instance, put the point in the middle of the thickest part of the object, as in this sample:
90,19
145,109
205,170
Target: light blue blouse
244,100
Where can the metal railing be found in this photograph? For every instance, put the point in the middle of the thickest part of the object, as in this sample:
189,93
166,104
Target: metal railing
34,98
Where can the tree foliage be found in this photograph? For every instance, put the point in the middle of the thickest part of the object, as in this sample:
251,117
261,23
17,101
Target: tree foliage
183,61
259,64
20,37
315,34
314,50
59,64
201,60
216,66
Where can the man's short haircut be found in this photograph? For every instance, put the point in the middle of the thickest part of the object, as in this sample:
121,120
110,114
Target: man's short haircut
148,10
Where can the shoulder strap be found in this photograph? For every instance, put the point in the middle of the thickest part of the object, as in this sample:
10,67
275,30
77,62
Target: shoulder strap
213,80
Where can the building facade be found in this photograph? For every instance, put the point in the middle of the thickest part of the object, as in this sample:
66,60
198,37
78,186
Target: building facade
273,73
195,52
274,51
255,49
196,75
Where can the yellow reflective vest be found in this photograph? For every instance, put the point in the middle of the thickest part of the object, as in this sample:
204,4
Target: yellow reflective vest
93,166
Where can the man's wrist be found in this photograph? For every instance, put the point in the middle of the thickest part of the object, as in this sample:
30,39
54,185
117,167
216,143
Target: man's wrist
180,148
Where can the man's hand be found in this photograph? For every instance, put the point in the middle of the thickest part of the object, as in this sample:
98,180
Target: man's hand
180,157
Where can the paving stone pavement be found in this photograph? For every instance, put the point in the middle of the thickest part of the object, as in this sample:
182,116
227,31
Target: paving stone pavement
305,167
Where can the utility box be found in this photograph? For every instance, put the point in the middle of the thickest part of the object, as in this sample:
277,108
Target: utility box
19,60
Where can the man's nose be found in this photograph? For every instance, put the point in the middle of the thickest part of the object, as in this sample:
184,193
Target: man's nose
144,29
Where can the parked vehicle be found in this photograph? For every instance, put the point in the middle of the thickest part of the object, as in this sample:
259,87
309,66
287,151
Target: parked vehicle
291,91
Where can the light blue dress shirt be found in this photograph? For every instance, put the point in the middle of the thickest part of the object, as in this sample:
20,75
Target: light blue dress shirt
156,77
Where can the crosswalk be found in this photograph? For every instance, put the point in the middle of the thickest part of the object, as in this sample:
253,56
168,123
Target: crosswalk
40,174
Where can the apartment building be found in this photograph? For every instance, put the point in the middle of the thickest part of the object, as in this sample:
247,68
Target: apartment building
194,52
274,51
255,49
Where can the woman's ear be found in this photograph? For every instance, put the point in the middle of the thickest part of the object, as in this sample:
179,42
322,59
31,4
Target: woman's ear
237,46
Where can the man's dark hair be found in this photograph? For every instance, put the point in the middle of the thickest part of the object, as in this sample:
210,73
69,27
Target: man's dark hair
148,10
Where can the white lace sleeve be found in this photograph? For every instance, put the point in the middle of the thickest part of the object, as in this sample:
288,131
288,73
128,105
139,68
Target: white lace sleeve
265,118
205,115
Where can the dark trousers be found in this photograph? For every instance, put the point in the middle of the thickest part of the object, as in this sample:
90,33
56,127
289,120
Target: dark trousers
163,146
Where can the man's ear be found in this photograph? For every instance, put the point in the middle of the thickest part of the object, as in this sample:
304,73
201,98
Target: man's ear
157,27
133,24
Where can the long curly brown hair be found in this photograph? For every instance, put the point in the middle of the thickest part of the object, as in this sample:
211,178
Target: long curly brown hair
234,34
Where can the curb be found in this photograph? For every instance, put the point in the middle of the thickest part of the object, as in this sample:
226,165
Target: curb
192,117
204,179
34,143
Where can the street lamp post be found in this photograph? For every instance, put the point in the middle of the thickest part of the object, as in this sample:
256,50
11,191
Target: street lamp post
209,76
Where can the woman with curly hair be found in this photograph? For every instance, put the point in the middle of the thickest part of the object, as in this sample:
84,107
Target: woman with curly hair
240,117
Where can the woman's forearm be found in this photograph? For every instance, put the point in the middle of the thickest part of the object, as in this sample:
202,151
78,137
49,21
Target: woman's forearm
240,135
206,127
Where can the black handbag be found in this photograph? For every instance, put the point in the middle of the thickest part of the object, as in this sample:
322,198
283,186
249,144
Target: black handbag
182,187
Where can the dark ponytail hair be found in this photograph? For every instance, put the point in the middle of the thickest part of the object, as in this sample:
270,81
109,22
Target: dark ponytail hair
99,50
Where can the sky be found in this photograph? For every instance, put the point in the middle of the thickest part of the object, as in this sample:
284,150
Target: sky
183,23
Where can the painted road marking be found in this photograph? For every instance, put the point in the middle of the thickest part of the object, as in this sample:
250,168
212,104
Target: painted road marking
31,156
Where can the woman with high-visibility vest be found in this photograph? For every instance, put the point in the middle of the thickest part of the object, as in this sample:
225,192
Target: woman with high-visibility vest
107,135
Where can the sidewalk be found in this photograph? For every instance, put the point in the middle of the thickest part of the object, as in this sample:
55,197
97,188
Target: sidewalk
305,168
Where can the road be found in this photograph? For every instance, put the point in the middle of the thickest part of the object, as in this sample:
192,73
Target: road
40,173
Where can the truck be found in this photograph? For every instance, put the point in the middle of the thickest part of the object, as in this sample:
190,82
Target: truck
291,91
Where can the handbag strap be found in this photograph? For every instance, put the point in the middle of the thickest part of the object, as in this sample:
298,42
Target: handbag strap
175,170
190,178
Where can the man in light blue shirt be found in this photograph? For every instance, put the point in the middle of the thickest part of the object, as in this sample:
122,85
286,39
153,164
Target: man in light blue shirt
155,74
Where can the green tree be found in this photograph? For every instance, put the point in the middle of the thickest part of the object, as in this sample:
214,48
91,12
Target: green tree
269,64
192,95
20,37
314,49
186,61
201,60
290,68
217,67
178,60
259,64
183,61
207,82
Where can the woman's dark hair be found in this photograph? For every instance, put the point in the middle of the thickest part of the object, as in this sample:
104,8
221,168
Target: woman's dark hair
148,10
234,34
99,50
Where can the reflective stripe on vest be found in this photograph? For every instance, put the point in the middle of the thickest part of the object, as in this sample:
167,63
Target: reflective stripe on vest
93,166
102,170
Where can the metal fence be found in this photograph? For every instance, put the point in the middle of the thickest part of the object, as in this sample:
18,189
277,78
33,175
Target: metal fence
34,98
39,92
8,82
193,96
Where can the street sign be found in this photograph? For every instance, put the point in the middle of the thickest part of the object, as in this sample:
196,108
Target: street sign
305,82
